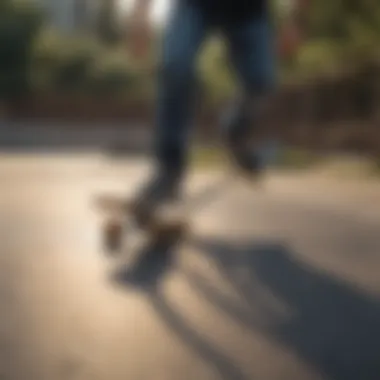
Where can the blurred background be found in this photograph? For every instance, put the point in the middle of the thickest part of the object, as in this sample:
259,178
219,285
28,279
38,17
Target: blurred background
69,62
275,282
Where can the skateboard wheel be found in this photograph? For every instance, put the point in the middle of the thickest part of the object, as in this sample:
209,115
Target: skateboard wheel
170,235
113,235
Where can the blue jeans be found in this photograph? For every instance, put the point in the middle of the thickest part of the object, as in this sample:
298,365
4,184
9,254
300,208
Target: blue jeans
251,51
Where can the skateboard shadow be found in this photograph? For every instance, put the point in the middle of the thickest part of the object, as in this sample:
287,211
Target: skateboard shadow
333,326
212,355
147,273
150,267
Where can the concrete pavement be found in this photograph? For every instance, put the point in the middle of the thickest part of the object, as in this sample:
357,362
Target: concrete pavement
274,284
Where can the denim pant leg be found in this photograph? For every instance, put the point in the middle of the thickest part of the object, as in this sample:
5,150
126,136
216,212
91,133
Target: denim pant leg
252,52
184,35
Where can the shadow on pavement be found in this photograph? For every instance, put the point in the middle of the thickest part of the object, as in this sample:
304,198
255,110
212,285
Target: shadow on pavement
152,264
334,326
146,274
199,344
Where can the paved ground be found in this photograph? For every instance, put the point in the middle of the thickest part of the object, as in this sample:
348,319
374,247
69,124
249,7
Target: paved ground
280,283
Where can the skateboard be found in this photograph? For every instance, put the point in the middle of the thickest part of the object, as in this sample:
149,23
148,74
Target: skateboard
161,230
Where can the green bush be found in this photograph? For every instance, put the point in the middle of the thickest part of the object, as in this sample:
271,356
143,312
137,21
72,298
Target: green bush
63,63
83,65
208,157
19,25
214,72
113,73
73,69
292,158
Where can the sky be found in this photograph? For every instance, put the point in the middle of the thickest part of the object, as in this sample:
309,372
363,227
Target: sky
159,11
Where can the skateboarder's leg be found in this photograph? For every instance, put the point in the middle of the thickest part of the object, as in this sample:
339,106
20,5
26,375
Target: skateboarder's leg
183,37
251,47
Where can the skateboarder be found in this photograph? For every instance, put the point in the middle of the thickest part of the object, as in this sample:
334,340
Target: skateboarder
246,27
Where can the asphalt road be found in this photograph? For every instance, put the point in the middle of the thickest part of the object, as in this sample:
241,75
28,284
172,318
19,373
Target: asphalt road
277,283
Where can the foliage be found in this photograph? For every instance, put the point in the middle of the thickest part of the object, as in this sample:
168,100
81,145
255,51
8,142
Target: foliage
19,24
62,62
351,29
74,64
107,28
216,76
340,36
296,158
114,74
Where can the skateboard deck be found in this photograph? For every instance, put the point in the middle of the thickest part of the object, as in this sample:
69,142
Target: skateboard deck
160,229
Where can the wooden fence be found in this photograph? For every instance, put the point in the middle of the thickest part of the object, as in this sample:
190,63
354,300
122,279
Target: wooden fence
331,113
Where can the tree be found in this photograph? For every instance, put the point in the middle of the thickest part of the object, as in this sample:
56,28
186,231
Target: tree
107,27
19,25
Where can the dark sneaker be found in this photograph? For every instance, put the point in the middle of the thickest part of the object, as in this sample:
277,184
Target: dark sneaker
248,161
238,136
162,191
